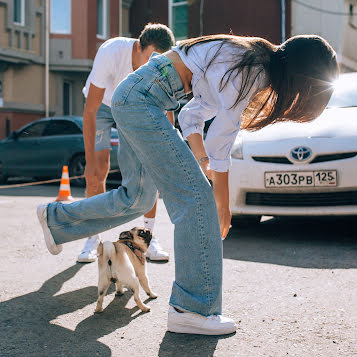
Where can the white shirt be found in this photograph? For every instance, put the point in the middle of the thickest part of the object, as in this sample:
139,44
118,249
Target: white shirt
208,101
112,63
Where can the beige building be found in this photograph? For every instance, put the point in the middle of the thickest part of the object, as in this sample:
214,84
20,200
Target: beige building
335,20
76,30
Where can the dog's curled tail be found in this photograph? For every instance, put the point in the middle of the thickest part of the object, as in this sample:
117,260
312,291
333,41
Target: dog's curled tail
108,252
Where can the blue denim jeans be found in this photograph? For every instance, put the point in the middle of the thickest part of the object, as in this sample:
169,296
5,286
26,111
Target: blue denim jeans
154,156
104,123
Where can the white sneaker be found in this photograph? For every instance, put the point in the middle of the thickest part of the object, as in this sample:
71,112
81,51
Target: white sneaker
51,245
89,251
189,322
155,251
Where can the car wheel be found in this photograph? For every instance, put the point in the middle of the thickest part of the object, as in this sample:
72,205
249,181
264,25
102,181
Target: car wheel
245,221
76,168
3,178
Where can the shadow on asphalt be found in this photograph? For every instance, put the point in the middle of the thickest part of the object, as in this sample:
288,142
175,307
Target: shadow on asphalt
176,344
321,242
26,326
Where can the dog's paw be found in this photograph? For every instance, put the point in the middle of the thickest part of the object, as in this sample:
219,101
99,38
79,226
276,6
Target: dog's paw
98,310
152,295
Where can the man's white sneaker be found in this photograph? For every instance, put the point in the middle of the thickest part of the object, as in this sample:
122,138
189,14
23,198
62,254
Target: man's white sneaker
189,322
89,251
155,251
51,245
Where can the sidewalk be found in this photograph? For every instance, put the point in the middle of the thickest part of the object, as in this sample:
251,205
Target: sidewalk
292,294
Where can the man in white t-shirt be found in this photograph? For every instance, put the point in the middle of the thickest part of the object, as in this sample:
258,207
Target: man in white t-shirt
115,59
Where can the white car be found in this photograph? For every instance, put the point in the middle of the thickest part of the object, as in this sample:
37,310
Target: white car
299,169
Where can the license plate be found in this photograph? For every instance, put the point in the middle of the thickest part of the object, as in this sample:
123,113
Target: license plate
301,178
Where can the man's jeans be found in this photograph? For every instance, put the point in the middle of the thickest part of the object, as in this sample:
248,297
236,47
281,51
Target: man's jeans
104,124
154,156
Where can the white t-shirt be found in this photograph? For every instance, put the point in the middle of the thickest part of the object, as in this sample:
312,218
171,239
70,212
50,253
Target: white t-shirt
210,101
112,63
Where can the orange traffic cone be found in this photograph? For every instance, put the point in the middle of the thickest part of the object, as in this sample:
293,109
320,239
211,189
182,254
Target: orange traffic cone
64,190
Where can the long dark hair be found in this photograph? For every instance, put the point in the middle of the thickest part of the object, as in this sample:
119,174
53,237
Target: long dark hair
299,75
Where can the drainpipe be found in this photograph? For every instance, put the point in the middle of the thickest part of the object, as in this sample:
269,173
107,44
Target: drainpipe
283,34
7,127
120,17
201,17
47,52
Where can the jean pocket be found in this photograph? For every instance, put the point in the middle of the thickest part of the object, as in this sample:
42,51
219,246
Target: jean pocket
165,86
162,93
123,90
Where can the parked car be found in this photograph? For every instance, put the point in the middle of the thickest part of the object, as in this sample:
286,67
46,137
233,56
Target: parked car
41,148
299,169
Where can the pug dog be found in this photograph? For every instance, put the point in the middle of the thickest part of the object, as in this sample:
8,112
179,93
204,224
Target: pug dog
124,263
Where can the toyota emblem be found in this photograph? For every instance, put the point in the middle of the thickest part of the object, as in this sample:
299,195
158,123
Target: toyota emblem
301,153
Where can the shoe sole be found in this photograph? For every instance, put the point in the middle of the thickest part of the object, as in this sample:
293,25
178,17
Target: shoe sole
52,247
86,260
180,328
158,259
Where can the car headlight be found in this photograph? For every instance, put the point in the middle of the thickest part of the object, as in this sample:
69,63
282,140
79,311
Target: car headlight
237,150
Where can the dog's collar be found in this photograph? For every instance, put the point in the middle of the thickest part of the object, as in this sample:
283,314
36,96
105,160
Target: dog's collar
137,251
129,245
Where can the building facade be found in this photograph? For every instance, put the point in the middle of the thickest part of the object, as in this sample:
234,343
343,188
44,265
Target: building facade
192,18
76,29
244,18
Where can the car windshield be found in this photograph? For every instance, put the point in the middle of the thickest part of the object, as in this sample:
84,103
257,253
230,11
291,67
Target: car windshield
345,92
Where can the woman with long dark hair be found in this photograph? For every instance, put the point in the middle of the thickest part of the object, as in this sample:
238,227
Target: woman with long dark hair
244,83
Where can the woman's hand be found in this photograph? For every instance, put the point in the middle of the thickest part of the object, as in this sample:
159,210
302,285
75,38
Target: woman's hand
225,217
221,194
219,180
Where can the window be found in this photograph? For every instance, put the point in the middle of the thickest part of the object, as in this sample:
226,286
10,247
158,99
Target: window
61,127
178,18
34,130
19,12
102,16
67,98
61,16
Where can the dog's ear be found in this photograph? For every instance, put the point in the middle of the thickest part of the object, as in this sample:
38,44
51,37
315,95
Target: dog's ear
100,248
126,235
116,246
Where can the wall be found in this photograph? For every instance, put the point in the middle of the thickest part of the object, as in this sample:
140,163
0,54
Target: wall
4,35
24,84
349,47
143,11
310,21
248,18
84,28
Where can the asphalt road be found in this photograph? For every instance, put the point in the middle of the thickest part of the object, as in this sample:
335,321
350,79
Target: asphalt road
291,284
